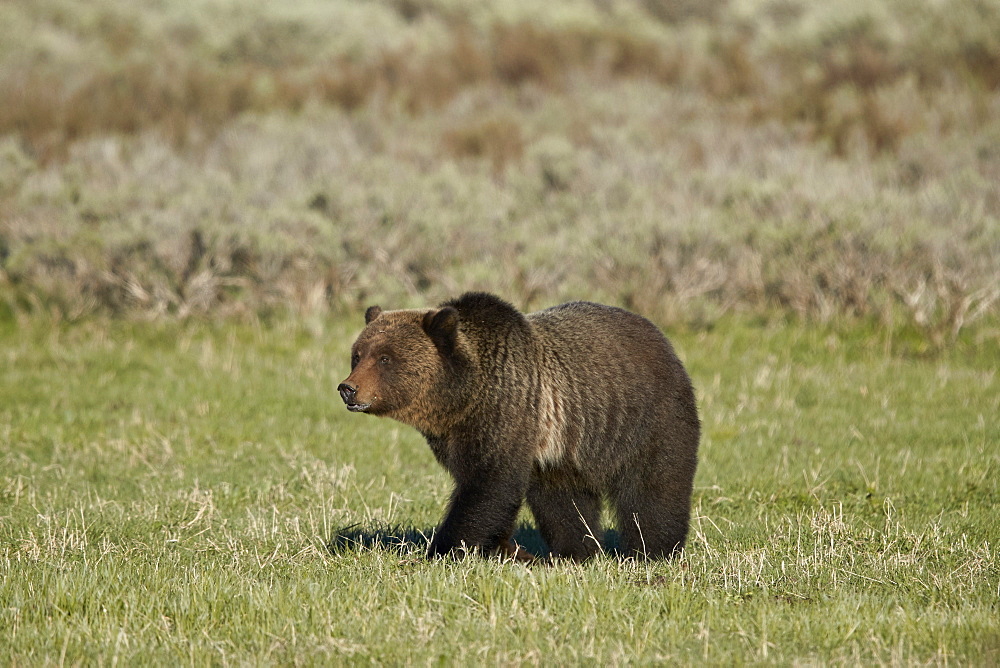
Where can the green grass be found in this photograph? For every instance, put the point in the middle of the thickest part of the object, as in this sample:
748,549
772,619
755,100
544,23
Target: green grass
806,191
170,491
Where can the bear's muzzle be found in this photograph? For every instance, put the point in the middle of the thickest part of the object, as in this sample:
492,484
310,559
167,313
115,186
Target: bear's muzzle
349,394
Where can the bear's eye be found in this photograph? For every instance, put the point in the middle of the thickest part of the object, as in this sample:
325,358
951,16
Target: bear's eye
355,358
384,360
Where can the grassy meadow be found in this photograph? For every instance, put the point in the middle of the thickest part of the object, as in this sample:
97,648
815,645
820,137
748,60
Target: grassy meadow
686,159
191,493
199,198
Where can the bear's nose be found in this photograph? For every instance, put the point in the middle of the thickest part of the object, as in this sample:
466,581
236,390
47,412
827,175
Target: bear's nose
347,392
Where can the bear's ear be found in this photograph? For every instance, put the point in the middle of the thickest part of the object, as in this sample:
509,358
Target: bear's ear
442,327
372,313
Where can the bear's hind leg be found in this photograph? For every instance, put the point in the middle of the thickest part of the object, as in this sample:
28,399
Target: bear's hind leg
568,519
652,524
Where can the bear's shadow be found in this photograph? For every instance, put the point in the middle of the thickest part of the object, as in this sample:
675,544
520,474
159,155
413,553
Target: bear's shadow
403,540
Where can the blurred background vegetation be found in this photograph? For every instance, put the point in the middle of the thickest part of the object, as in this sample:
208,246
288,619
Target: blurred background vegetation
688,159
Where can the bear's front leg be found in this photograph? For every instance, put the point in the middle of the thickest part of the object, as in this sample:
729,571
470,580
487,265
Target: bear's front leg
481,513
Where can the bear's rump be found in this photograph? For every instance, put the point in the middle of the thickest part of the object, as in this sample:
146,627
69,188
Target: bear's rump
609,383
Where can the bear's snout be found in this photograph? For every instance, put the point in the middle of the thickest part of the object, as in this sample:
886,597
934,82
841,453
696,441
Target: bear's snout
347,393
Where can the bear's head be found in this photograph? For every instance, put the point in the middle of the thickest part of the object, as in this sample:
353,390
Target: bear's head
404,365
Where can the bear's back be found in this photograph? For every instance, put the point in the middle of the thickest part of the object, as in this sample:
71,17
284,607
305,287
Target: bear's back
587,338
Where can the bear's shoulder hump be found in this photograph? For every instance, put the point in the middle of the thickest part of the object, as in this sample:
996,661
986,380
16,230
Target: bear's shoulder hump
483,306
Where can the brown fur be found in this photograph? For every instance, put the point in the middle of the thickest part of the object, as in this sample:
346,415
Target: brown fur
561,408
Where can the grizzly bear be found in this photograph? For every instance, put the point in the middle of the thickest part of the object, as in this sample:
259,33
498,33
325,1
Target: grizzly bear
561,408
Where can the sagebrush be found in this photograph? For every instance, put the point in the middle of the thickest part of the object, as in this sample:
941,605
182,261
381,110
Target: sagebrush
686,160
